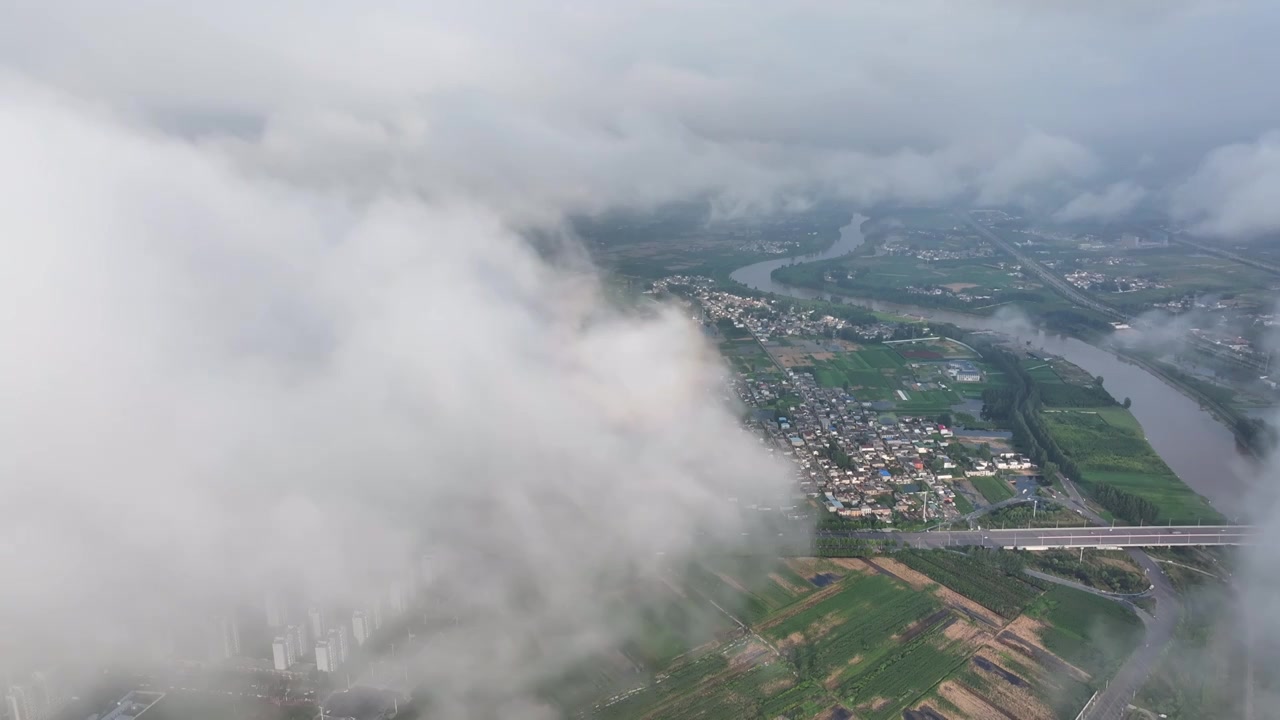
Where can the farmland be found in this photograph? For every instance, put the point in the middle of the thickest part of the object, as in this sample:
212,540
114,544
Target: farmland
750,589
1005,592
950,267
1109,571
994,489
1090,632
909,378
967,636
1109,447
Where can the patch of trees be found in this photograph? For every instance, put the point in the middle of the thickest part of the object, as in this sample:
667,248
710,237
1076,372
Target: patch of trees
729,330
837,455
1256,433
1075,322
836,523
1125,505
993,580
849,547
1068,395
1106,577
1017,406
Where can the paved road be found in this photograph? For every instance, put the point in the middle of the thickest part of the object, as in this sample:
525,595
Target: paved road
1222,252
1066,289
1044,538
1120,597
1113,701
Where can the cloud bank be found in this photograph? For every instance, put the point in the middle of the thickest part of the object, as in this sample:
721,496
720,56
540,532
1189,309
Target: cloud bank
1117,200
219,385
1232,194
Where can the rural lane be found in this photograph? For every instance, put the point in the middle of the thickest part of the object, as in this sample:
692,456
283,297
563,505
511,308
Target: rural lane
1113,701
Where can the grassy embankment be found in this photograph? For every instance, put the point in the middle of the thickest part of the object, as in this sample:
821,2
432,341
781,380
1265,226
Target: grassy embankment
1077,428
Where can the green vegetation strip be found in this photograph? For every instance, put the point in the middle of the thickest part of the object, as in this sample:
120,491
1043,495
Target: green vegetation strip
994,489
1003,590
1090,632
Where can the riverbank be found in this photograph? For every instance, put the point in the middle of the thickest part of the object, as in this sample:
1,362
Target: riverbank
1250,434
1230,417
1199,449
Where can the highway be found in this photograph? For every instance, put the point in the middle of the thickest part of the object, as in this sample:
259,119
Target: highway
1063,287
1076,537
1224,253
1077,296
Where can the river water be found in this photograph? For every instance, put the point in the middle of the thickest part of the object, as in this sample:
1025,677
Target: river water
1199,448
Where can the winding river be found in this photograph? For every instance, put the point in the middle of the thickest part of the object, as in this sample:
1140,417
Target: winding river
1201,450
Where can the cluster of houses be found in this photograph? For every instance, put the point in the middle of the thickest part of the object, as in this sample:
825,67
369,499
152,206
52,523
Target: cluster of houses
1093,280
763,317
770,247
976,246
851,458
938,291
855,462
963,371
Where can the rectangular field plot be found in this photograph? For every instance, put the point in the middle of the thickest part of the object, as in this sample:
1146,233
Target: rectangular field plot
994,489
749,588
1005,593
881,358
1092,633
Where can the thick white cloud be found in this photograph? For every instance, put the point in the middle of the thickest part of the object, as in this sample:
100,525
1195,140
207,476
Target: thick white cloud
549,105
217,383
1115,200
1233,192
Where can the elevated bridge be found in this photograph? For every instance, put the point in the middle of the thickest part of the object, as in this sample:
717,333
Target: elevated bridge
1119,537
1078,537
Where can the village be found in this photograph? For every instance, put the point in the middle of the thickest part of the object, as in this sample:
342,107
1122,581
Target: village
864,449
1091,280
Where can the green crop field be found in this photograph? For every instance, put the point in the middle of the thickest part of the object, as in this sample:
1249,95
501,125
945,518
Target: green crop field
1178,503
853,361
1090,632
671,627
868,609
1117,417
865,383
1111,450
882,690
928,402
747,587
872,638
994,489
1041,372
771,581
760,691
868,643
673,684
881,358
1003,592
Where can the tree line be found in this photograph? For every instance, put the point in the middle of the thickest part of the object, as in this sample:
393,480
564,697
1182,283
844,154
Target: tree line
1018,406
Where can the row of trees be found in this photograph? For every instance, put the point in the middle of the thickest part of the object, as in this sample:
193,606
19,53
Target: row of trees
1126,505
1018,406
850,547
